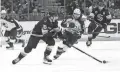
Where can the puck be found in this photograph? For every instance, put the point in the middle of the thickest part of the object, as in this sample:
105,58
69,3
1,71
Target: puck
104,62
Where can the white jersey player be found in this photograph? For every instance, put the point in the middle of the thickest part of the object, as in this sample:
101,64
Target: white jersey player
12,29
72,31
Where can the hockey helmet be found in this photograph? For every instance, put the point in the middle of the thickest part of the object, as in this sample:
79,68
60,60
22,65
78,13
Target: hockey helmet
3,11
3,14
53,16
76,13
53,13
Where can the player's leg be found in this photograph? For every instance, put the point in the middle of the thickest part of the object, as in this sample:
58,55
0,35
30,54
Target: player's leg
96,32
60,50
91,28
51,42
71,39
20,41
7,34
82,26
32,43
19,34
12,40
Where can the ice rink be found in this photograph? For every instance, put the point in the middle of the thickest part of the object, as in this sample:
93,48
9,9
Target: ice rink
71,61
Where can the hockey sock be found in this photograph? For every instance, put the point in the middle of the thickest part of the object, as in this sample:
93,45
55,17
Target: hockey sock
22,54
19,41
48,51
8,40
89,39
59,52
10,44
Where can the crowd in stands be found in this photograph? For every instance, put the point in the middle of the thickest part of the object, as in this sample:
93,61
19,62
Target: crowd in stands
34,9
22,7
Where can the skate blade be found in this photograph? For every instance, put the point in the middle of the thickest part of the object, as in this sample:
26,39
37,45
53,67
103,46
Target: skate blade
48,63
15,61
10,48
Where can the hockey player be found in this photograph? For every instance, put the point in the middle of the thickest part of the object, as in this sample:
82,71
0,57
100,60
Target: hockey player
71,32
43,30
77,15
100,18
13,30
94,5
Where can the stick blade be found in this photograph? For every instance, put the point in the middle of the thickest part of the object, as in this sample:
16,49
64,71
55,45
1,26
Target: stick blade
104,61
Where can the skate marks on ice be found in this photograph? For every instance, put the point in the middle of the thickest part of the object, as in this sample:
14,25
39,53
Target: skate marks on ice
71,61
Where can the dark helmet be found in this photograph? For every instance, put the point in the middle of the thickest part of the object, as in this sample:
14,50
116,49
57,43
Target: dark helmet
53,13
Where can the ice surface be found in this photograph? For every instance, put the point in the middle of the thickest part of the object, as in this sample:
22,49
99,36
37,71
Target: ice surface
71,61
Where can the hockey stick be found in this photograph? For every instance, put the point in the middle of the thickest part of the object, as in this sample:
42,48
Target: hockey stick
100,35
100,61
104,36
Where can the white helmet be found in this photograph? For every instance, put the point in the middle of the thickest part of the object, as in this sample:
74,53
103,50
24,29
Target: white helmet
77,11
3,11
3,14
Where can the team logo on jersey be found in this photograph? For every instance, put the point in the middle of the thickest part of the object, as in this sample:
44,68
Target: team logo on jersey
99,17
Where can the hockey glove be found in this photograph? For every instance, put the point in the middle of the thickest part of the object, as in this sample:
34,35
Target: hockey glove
104,25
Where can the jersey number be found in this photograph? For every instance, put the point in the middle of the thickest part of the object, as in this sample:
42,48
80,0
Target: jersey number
99,17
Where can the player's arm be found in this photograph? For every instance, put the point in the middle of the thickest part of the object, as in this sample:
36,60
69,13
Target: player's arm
108,19
37,30
16,24
91,15
55,27
8,25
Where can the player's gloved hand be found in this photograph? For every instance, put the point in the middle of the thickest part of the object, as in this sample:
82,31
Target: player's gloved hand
62,36
55,29
90,17
98,24
79,37
104,25
63,24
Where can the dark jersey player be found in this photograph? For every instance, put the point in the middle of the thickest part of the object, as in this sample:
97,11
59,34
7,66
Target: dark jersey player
43,30
12,30
100,17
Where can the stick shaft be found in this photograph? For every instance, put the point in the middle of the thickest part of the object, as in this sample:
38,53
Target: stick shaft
87,54
104,36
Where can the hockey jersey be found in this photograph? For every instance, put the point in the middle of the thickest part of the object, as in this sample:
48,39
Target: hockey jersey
44,26
9,23
71,25
100,16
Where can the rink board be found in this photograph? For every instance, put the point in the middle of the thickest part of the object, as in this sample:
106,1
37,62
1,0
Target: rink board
113,30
